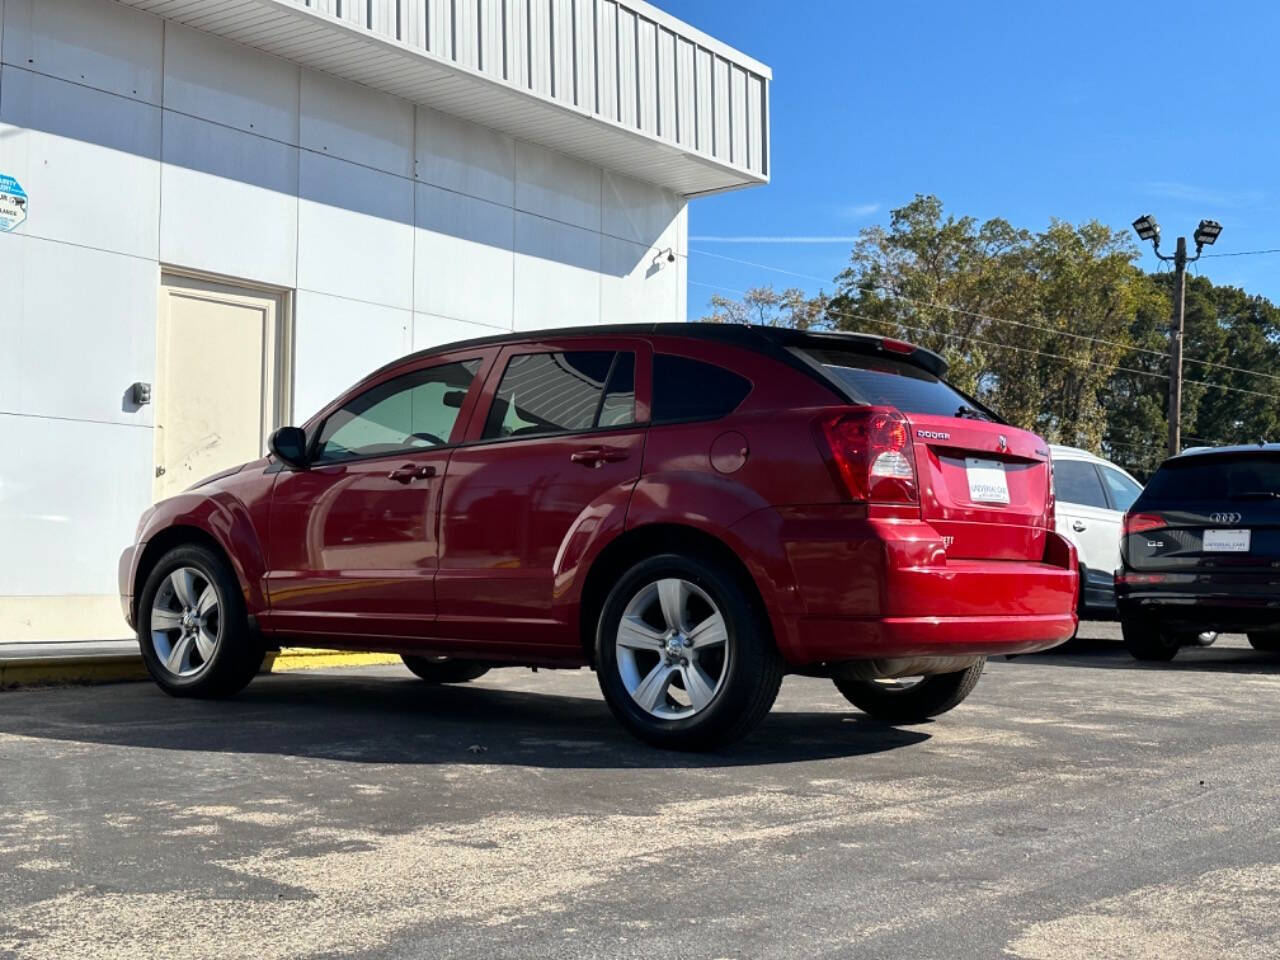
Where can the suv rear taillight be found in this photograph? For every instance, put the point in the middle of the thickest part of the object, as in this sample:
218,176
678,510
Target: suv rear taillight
871,454
1142,522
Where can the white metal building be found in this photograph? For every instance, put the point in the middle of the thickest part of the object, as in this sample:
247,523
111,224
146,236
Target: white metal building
249,204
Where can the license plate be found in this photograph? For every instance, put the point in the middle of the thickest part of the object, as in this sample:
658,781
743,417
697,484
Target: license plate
987,482
1226,541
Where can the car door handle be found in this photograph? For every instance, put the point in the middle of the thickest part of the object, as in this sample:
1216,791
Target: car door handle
598,456
411,472
1078,527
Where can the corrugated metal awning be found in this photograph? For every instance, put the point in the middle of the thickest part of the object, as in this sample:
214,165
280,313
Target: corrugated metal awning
618,84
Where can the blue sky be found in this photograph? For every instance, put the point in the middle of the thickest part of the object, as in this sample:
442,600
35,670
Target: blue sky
1024,110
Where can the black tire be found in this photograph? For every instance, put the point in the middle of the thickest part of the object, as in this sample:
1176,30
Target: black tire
1146,641
751,671
238,652
927,698
445,669
1266,642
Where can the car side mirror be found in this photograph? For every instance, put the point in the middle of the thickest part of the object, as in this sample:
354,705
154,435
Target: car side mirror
455,398
290,445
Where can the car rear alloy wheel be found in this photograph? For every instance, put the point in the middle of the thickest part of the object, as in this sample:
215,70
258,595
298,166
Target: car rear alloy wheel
193,629
684,654
911,699
672,649
445,669
185,622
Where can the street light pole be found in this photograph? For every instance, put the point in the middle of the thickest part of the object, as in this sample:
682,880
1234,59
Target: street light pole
1206,233
1175,345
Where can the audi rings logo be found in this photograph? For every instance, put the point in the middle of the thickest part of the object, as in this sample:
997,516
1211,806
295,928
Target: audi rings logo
1225,517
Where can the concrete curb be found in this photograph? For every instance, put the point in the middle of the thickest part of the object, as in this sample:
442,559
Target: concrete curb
72,669
57,670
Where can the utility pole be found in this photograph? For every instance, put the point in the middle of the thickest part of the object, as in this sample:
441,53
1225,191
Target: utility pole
1175,345
1206,233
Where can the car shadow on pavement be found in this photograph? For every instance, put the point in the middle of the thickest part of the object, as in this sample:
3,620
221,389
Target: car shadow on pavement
389,720
1111,655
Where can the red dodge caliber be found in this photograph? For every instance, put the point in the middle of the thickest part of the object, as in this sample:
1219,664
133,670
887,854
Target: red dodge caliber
693,510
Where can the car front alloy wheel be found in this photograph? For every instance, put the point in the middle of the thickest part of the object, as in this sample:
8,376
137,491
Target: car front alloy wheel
193,629
185,622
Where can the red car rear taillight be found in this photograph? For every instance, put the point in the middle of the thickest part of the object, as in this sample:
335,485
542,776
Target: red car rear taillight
1051,503
1142,522
871,454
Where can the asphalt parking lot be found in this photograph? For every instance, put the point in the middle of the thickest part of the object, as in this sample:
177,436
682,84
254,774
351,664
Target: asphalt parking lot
1079,805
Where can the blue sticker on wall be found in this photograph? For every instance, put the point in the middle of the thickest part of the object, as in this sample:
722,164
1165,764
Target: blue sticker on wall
13,203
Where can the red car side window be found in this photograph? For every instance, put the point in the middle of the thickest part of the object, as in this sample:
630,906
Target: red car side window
562,392
411,412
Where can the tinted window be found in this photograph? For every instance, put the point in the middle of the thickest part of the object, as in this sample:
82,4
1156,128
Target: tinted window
1122,490
412,412
619,406
1215,478
1077,482
685,389
885,381
543,393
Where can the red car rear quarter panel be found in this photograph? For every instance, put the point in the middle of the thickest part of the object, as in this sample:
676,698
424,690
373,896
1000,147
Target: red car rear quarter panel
680,485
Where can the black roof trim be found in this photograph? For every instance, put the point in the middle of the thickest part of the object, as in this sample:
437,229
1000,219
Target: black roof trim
1233,450
772,341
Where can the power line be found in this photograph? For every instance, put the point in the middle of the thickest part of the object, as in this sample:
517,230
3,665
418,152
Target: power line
717,286
1056,356
1007,346
1243,253
880,288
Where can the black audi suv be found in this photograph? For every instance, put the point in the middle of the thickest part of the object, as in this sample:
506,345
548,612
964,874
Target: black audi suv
1200,551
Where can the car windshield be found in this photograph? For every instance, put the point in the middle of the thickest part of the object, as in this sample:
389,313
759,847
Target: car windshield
1249,476
889,382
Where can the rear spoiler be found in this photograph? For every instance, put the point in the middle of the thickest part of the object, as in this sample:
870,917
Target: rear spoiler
864,343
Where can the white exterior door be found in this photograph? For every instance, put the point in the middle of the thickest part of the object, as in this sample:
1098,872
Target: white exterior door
221,378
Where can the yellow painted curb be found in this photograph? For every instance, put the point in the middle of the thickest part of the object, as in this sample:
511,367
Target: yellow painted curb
118,668
47,671
307,658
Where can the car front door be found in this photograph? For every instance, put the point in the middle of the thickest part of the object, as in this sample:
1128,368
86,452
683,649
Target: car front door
551,458
1085,517
353,537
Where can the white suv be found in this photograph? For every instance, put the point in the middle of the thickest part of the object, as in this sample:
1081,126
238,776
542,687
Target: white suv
1093,495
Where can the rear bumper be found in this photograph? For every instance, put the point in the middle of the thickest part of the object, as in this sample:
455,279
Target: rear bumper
1226,602
1098,591
870,589
833,639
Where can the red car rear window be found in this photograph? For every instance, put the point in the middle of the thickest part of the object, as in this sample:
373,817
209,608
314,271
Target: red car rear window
889,382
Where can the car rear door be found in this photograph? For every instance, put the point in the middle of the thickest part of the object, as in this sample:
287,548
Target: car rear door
1086,518
353,537
551,457
1122,490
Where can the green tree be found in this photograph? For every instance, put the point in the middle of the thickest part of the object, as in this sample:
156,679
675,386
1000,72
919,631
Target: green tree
1032,323
1058,330
770,308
